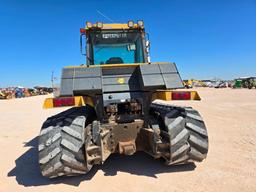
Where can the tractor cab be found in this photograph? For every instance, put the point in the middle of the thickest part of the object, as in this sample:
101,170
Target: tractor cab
114,43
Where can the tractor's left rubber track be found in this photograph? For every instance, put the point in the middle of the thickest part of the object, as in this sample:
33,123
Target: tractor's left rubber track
61,143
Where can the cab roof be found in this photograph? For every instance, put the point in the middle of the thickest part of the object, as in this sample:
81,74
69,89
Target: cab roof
112,26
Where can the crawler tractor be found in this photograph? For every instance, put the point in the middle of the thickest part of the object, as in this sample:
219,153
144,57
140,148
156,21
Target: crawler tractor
117,104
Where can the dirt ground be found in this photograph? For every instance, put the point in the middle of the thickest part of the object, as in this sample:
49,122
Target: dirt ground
230,116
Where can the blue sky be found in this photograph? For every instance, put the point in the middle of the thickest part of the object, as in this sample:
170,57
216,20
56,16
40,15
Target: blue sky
205,38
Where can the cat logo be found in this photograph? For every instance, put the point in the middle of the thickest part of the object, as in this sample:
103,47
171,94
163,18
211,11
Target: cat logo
120,80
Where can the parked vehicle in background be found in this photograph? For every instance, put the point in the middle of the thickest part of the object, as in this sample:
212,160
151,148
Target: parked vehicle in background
245,82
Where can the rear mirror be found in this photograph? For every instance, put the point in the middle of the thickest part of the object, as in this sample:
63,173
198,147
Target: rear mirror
147,44
83,44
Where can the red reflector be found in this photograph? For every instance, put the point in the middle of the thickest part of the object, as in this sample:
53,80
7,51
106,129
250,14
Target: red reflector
181,95
68,101
82,30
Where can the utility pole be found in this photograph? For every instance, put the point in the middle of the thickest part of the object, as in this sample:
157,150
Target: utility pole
52,78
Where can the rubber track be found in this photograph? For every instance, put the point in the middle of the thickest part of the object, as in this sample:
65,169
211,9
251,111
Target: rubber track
187,133
61,143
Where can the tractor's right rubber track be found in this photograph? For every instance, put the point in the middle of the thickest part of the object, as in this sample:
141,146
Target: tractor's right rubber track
61,143
186,131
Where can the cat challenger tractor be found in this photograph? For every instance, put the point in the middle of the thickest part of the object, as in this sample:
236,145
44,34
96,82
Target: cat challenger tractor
117,104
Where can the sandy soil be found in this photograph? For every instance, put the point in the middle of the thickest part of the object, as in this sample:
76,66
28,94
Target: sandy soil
230,116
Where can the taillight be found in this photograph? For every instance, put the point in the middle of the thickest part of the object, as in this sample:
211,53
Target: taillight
82,30
181,95
65,101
